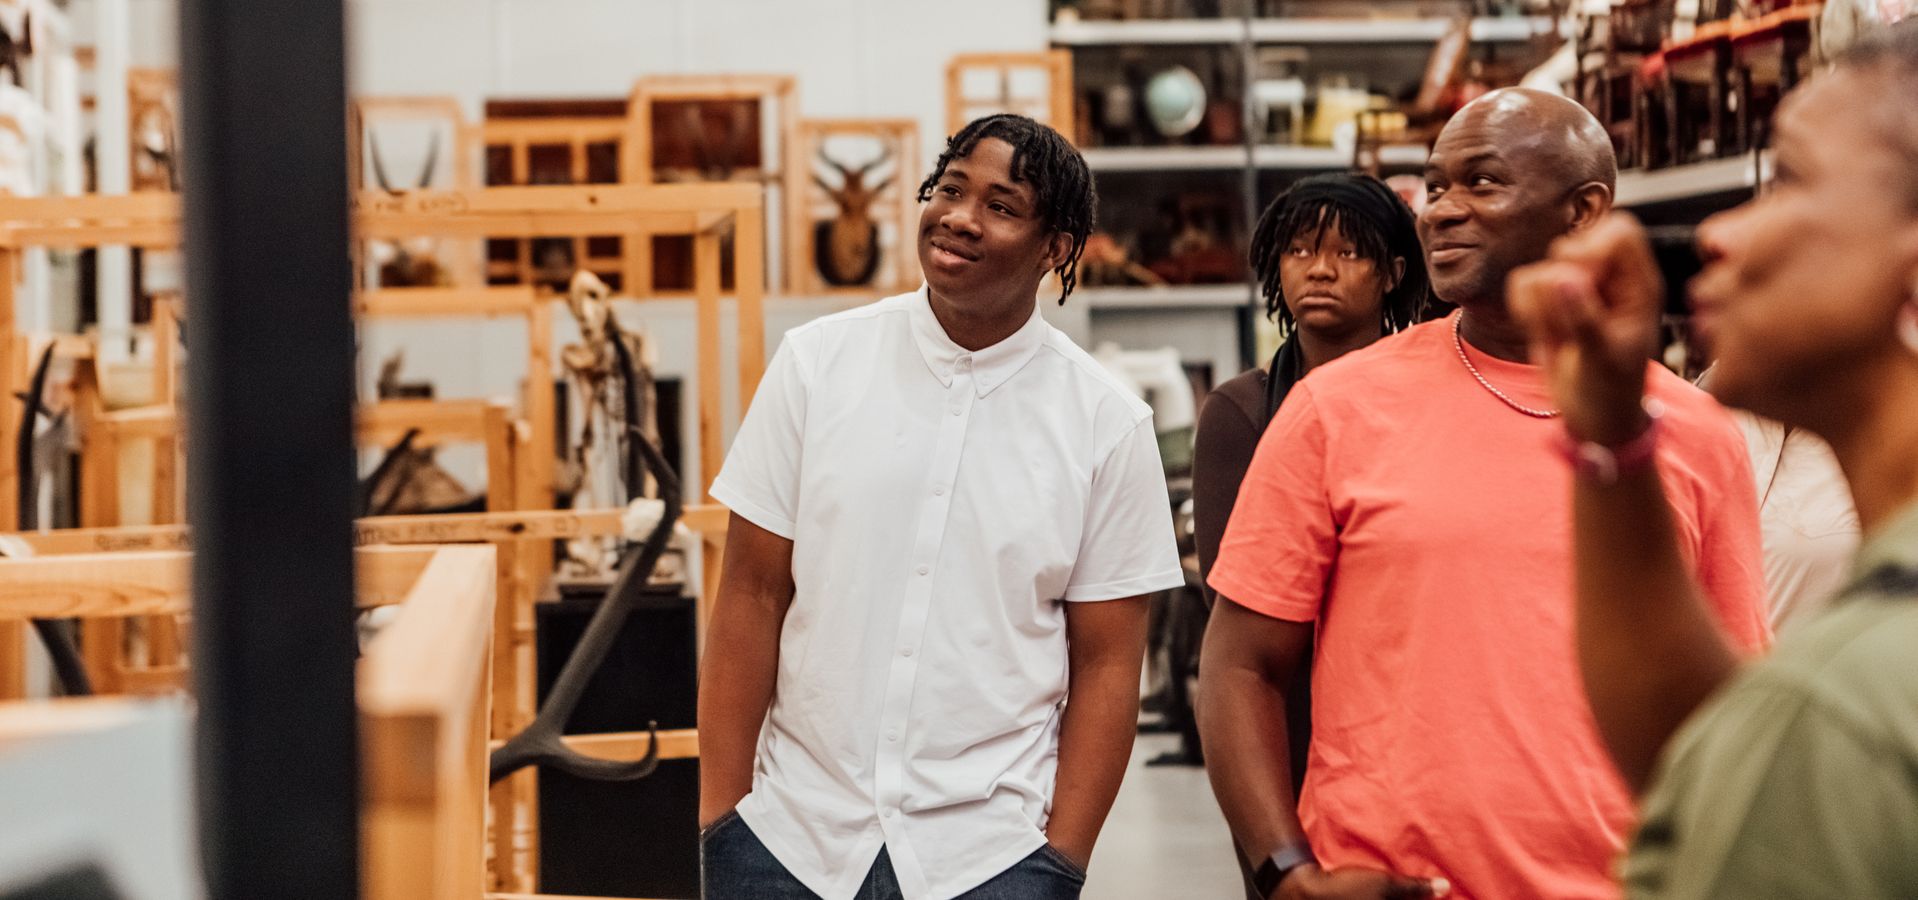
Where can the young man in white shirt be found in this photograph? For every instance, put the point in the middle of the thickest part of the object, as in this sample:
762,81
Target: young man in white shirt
929,494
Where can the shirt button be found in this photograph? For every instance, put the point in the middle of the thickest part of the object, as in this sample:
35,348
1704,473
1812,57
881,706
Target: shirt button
892,814
938,492
905,651
955,410
892,735
924,569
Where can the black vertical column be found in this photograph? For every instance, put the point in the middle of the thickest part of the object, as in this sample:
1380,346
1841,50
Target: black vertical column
270,386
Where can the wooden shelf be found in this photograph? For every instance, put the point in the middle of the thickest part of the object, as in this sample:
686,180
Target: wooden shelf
1291,31
1641,187
1305,159
1168,298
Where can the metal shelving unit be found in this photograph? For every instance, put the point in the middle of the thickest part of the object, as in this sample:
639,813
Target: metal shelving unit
1169,297
1189,159
1291,31
1639,188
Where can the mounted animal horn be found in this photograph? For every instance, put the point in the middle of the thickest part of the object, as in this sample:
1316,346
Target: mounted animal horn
885,156
379,163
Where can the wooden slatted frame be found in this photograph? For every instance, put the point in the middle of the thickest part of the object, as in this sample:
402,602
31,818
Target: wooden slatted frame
1056,64
636,165
576,133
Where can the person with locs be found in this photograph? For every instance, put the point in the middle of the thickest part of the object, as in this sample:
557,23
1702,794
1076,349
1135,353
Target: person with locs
1409,503
1337,258
1791,777
922,668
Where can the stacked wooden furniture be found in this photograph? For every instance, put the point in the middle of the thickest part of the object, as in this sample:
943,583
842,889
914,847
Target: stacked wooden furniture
424,690
521,456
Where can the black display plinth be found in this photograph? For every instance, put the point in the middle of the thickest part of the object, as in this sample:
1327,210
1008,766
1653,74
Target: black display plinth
640,838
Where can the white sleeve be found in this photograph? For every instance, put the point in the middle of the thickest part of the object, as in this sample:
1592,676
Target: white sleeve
1128,547
760,479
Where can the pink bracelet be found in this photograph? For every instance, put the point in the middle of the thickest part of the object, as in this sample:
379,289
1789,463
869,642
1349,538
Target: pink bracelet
1607,464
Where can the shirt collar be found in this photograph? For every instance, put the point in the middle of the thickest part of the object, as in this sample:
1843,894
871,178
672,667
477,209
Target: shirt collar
1893,545
992,366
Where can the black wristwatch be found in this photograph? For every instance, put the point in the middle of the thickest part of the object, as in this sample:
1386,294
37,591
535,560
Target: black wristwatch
1271,873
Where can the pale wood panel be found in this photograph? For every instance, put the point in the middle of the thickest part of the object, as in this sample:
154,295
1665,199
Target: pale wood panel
439,421
424,691
492,302
450,528
155,582
153,219
569,130
706,321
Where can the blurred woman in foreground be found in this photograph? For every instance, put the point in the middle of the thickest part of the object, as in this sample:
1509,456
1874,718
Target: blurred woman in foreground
1795,776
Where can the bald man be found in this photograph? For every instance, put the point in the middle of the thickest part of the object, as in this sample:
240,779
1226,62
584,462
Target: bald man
1409,507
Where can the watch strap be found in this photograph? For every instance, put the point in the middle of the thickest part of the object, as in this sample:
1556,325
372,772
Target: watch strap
1280,863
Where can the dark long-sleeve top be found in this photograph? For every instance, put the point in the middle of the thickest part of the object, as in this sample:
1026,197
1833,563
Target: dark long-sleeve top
1230,423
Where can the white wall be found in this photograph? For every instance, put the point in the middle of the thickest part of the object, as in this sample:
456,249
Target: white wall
850,57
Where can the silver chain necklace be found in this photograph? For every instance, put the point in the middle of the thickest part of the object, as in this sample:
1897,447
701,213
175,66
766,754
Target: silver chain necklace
1458,341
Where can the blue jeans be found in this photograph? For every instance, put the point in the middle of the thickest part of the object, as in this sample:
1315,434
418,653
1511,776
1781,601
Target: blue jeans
734,865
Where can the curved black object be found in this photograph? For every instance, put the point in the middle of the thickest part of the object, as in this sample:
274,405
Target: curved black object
53,632
630,462
541,743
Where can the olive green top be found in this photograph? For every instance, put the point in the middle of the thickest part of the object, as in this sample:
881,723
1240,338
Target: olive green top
1800,778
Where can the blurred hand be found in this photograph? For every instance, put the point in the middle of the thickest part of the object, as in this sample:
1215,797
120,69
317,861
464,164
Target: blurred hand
1310,882
1592,308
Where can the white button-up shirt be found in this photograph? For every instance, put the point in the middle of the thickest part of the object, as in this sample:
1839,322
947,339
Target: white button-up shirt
943,504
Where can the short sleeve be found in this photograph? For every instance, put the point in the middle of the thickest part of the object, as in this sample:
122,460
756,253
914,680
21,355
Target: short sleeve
1282,540
1731,567
1784,798
760,478
1128,547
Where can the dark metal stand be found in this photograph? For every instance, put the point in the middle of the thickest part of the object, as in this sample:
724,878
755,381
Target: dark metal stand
271,386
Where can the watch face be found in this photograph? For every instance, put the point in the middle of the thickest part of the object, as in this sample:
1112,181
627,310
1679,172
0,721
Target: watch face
1267,879
1273,870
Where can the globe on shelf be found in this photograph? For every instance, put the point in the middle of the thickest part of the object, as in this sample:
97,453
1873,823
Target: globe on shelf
1175,101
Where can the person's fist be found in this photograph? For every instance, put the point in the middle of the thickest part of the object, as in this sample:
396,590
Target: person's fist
1310,882
1592,310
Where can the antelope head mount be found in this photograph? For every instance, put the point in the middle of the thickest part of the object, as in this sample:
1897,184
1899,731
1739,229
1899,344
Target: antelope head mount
847,247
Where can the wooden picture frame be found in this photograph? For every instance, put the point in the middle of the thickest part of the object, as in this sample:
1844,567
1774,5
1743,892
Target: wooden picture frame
1053,107
895,211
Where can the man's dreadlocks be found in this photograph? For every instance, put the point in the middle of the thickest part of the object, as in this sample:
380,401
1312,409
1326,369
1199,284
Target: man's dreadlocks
1369,215
1044,159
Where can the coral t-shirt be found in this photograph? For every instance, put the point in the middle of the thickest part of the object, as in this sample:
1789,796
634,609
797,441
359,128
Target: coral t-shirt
1425,526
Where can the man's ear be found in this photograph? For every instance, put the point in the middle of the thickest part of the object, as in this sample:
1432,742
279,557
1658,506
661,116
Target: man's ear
1590,202
1058,248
